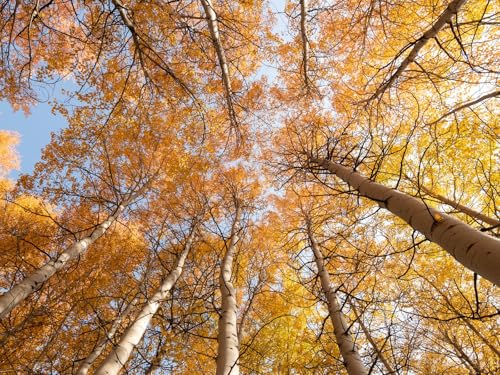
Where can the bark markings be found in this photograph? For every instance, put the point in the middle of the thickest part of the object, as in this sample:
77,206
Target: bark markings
347,346
228,348
477,251
134,333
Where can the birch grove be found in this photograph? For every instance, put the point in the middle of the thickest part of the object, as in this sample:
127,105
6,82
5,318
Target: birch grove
286,187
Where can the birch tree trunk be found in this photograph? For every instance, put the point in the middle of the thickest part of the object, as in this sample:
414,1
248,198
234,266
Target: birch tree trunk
348,350
134,333
475,250
228,348
445,17
89,361
35,281
213,26
305,41
370,339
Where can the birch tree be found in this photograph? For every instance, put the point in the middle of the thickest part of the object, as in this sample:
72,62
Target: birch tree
228,345
350,353
121,352
35,281
475,250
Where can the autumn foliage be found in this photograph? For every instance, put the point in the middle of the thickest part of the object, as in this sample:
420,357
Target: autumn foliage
256,187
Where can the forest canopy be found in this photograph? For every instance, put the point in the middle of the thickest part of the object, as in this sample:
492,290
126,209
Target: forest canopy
255,187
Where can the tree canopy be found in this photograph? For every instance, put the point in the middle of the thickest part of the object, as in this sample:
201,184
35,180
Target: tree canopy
255,187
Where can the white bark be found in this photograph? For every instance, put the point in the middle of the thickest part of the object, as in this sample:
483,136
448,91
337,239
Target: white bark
36,280
370,339
305,41
445,17
221,56
477,251
89,361
228,344
348,350
134,333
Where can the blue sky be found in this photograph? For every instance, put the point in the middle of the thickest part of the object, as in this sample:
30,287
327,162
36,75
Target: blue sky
35,131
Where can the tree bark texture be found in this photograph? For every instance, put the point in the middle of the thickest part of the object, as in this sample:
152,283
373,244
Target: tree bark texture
228,344
134,333
35,281
348,350
475,250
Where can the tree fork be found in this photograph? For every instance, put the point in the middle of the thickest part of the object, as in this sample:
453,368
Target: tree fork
477,251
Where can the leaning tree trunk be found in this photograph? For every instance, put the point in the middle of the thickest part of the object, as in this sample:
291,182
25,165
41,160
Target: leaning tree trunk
348,350
35,281
370,339
228,348
89,361
445,18
134,333
477,251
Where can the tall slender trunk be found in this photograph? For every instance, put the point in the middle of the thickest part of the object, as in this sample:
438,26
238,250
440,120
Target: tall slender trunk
370,339
461,354
228,348
352,359
305,42
35,281
213,26
89,361
477,251
466,210
445,17
134,333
